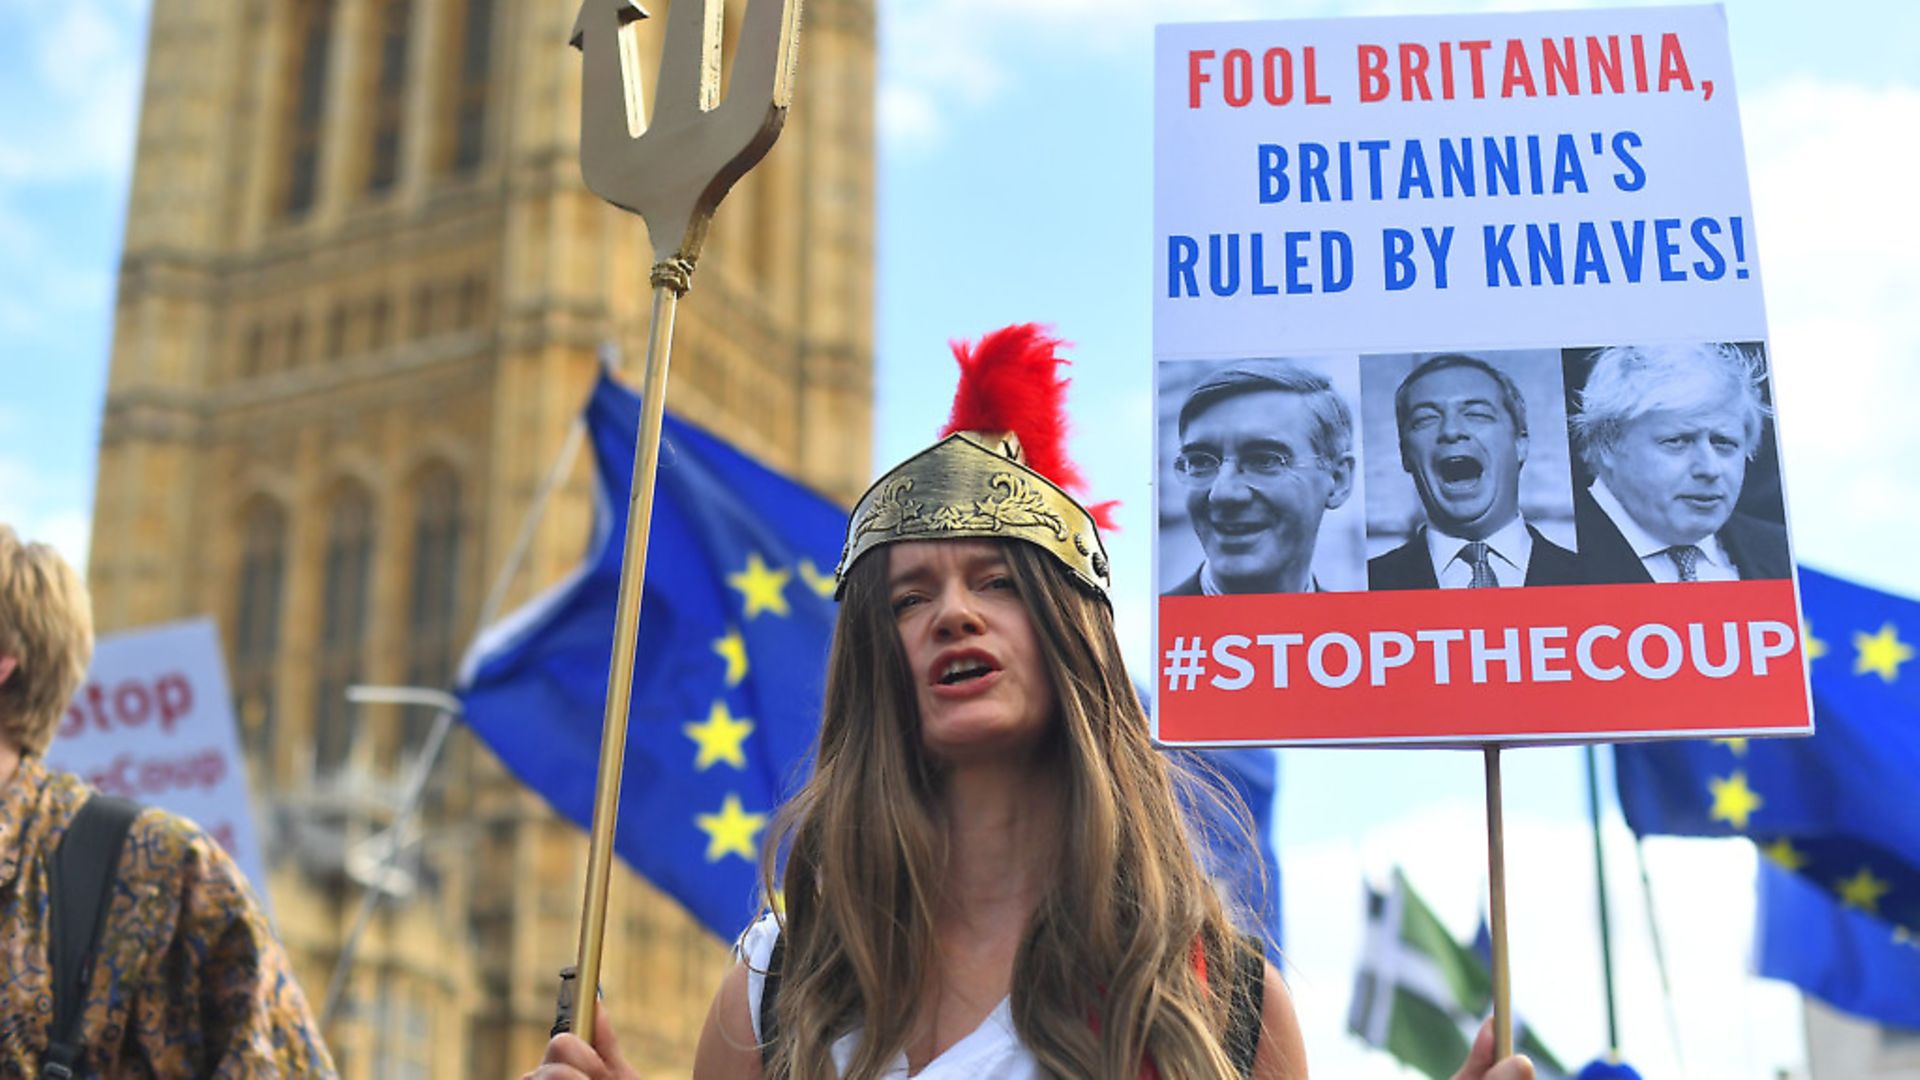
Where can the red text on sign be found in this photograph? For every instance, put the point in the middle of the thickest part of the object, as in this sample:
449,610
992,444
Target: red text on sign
1238,74
1524,67
131,703
134,777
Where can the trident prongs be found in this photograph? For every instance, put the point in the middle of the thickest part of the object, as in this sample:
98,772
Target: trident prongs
605,34
675,170
690,60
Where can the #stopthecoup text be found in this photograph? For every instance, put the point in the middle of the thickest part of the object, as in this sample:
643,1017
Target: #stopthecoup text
1598,653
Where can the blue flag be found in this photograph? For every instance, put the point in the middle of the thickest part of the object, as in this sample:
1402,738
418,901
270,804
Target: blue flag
1252,773
728,676
1842,956
728,672
1836,809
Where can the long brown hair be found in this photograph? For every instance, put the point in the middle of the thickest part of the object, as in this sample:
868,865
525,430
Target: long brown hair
1105,977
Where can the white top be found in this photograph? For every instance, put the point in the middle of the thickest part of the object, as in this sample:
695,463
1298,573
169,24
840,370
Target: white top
991,1050
1714,563
1509,550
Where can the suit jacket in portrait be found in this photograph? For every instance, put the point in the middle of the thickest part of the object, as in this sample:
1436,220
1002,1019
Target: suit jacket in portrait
1757,547
1188,587
1410,566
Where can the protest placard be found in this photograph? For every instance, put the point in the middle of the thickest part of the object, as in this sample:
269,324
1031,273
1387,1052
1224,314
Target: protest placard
1463,303
154,723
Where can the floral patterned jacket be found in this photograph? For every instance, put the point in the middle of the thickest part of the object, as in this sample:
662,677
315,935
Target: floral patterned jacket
188,980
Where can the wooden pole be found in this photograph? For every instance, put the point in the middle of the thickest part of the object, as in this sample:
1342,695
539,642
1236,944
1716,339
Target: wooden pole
1497,910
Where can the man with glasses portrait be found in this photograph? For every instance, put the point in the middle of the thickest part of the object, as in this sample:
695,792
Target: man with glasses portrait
1266,449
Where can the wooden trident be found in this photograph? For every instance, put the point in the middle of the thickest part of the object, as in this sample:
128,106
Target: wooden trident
673,172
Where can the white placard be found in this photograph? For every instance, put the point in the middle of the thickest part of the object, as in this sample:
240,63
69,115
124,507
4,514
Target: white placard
1453,302
1582,171
154,723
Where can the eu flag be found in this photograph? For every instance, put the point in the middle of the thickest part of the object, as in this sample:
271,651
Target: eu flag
1250,775
1836,809
728,672
1836,953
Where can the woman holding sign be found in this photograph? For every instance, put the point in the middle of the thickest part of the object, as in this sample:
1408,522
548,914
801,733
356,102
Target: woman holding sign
989,873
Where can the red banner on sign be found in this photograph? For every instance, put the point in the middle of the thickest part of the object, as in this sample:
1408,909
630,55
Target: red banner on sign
1572,663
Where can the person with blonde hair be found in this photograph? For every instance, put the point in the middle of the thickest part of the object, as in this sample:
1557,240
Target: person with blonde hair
1668,431
185,978
989,872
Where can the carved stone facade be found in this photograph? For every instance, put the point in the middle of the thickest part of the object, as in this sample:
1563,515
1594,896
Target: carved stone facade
1841,1047
360,303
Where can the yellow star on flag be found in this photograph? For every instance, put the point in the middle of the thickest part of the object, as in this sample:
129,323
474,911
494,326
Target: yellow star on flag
719,737
1880,654
760,587
1738,746
1863,891
733,649
1815,648
1783,854
731,831
823,584
1733,801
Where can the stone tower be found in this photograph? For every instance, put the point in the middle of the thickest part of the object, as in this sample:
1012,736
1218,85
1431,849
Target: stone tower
359,306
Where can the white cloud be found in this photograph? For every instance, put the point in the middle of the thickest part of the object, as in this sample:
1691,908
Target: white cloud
938,56
1831,172
40,509
74,106
942,56
909,116
44,293
77,41
1733,1026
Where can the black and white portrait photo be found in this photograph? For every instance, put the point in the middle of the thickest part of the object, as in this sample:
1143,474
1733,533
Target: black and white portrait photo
1259,477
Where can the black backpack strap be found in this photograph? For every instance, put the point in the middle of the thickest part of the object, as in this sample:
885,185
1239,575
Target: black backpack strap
769,991
1248,986
80,877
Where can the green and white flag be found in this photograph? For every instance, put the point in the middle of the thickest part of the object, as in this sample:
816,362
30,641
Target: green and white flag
1420,995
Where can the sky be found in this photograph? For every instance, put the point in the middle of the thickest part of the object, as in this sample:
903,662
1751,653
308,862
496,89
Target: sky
1015,184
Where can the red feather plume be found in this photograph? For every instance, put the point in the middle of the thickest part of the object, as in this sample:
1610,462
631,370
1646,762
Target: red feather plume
1010,381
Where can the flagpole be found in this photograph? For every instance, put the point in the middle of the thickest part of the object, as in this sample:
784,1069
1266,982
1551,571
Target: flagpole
1600,892
416,787
1659,956
1497,909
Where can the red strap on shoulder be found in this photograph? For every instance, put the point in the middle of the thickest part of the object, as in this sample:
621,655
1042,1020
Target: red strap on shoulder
1148,1071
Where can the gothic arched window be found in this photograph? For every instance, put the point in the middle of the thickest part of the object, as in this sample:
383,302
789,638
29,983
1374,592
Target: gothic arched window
310,45
256,626
434,602
348,574
387,101
472,42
